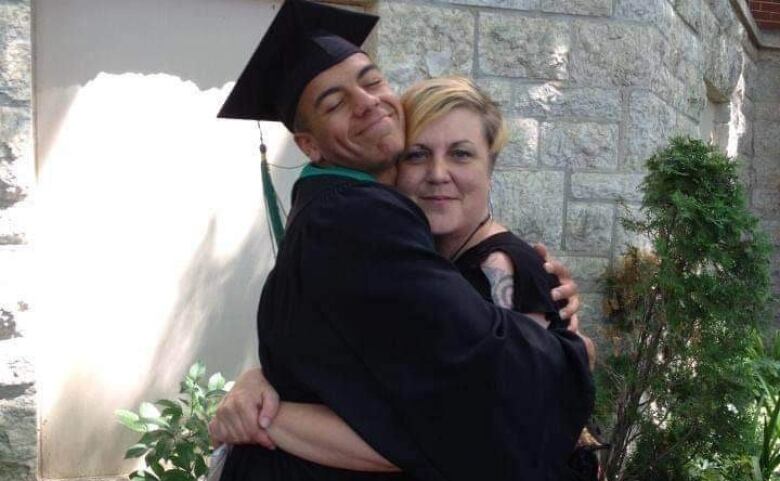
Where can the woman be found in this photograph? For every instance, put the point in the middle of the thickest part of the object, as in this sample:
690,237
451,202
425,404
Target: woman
455,134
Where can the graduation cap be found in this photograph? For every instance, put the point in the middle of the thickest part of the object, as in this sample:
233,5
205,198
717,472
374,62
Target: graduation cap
304,39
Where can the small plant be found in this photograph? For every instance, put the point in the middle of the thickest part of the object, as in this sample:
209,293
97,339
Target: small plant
767,463
175,440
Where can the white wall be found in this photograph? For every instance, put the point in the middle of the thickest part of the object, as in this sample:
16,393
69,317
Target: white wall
151,238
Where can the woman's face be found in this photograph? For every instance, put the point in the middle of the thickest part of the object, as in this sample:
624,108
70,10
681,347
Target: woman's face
446,171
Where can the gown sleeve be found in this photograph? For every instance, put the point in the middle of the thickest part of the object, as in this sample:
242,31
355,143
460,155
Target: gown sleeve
485,393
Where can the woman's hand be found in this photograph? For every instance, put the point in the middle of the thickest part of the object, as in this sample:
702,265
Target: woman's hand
245,412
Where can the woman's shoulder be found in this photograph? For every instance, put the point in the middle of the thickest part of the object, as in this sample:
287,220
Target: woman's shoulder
510,244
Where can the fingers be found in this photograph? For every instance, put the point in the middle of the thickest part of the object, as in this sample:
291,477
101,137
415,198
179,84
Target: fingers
566,290
246,411
269,407
541,249
571,308
558,269
590,347
574,324
262,438
235,421
268,410
215,433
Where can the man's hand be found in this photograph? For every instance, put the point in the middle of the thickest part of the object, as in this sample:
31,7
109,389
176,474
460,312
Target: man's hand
567,290
245,412
590,346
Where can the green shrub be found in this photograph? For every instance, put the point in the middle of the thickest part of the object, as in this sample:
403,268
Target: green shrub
175,440
677,381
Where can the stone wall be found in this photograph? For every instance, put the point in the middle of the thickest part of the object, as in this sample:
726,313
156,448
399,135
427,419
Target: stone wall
590,89
17,386
766,144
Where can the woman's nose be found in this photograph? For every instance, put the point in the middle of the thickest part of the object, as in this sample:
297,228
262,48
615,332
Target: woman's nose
437,171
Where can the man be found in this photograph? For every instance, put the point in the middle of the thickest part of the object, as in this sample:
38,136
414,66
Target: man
361,314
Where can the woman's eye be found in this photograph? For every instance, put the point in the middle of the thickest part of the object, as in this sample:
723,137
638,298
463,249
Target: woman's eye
415,155
462,154
374,83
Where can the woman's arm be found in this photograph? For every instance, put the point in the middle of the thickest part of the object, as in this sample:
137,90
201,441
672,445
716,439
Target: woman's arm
500,271
252,414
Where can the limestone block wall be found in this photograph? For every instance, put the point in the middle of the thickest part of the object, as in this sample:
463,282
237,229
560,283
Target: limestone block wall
17,385
766,144
590,89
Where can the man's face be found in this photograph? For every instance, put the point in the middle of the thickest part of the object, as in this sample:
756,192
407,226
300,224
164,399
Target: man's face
352,117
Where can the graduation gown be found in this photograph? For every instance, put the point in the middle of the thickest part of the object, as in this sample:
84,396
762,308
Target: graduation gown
360,313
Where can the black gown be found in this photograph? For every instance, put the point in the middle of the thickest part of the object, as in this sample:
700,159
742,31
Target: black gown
531,293
360,313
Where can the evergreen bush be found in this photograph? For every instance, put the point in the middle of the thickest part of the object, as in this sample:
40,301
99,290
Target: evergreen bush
677,385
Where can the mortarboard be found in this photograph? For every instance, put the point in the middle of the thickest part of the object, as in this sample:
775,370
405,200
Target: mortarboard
303,40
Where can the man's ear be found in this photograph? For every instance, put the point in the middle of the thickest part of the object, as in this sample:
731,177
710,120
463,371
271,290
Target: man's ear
308,145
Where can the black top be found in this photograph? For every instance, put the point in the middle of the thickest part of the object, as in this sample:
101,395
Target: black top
532,284
361,314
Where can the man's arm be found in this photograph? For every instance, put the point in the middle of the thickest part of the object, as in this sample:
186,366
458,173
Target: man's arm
252,414
315,433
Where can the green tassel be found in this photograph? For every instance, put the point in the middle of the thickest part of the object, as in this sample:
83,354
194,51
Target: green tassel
271,200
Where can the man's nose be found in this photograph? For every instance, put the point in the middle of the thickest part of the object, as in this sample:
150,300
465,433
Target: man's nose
364,102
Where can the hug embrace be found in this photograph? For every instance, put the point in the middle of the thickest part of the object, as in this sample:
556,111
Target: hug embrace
404,333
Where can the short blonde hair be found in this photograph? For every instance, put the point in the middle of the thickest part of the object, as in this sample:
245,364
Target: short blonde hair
429,100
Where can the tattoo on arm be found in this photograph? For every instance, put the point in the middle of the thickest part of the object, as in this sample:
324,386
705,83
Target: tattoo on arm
501,286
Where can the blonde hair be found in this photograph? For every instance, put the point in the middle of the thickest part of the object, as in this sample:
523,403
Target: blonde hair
429,100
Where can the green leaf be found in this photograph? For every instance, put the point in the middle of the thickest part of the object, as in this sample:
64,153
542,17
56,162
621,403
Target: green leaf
143,476
158,468
164,448
186,454
201,468
176,475
148,411
170,408
130,420
216,381
166,403
215,393
197,371
154,423
152,437
136,451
